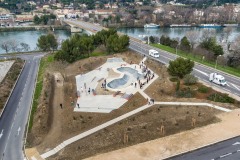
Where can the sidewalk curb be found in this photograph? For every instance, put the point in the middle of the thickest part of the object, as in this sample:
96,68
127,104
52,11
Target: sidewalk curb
198,148
10,94
26,131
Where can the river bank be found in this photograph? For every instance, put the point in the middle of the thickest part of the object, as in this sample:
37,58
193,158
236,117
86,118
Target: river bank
34,28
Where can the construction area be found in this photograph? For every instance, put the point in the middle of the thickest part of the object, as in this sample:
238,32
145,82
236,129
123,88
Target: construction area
101,104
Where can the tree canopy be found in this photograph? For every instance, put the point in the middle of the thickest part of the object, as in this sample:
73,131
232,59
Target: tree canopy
185,44
47,42
211,45
180,67
81,46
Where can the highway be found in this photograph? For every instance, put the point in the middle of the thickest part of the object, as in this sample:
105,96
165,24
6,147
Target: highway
14,119
226,150
200,71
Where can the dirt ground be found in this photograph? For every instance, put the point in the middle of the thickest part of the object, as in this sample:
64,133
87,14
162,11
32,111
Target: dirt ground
139,128
53,124
9,81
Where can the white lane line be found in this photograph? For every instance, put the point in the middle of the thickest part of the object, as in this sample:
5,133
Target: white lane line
236,143
202,72
1,134
235,86
225,155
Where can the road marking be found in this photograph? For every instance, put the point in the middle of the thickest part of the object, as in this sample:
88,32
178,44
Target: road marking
1,134
235,86
225,155
202,72
237,143
19,129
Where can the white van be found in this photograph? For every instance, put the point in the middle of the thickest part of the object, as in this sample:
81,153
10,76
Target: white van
217,78
153,53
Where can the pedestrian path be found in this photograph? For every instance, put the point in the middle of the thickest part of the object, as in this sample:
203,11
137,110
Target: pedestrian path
194,104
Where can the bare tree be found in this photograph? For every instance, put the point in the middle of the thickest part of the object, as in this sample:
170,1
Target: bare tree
25,47
192,36
14,45
236,44
6,46
207,33
228,32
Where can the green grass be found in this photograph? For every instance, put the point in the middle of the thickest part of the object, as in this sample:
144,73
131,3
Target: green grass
197,58
95,54
39,85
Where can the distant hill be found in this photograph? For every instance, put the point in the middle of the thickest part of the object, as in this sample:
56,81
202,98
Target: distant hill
194,2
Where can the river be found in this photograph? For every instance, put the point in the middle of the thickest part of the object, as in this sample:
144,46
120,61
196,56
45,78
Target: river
31,37
175,32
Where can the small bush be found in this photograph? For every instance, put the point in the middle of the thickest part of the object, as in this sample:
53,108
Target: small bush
173,79
203,89
185,93
190,79
223,98
178,85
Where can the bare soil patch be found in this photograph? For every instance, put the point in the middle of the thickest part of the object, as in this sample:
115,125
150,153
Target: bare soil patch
9,81
139,128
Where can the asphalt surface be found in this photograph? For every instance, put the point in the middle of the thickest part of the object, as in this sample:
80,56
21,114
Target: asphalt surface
200,71
14,119
226,150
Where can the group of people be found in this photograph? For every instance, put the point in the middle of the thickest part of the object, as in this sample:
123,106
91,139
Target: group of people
104,84
148,76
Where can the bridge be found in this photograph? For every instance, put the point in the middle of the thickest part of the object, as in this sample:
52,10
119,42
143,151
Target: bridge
78,29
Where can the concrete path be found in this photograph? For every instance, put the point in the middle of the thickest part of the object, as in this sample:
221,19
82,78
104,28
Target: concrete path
4,68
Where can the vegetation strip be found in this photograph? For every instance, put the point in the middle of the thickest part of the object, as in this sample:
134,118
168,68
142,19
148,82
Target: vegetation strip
39,85
198,59
12,89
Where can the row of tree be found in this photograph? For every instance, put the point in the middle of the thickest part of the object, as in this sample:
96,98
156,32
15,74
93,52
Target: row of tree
80,46
205,46
14,46
44,19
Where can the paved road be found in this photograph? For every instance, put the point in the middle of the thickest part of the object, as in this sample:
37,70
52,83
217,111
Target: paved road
226,150
200,71
13,121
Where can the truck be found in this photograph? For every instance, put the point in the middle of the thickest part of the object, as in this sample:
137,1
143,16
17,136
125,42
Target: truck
217,78
153,53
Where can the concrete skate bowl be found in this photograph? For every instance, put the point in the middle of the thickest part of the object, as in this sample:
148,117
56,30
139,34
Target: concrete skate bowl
130,71
119,83
129,75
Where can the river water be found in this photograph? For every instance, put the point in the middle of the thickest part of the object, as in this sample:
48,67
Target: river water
175,32
31,37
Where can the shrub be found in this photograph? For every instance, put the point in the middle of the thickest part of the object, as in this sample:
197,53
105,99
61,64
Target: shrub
177,85
173,79
190,79
185,93
223,98
203,89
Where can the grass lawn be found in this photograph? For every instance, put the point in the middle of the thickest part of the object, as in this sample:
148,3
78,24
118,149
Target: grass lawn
197,58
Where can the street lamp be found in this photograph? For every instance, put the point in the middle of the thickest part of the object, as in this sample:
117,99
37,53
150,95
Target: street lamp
217,60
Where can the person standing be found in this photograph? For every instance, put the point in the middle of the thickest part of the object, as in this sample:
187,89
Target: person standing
89,90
